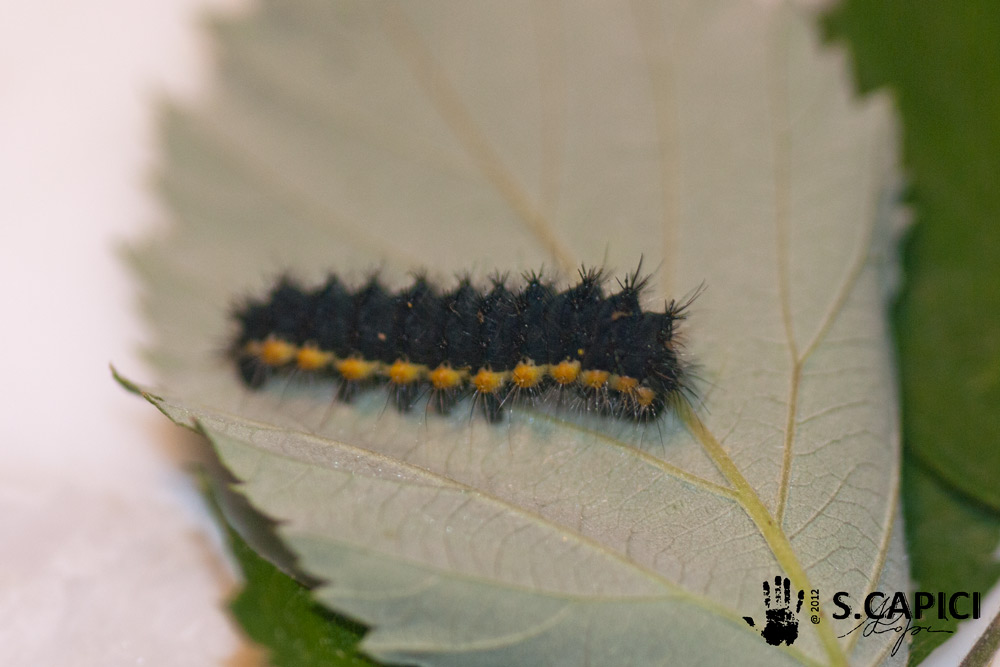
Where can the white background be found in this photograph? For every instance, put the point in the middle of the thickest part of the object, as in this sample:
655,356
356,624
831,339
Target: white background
106,555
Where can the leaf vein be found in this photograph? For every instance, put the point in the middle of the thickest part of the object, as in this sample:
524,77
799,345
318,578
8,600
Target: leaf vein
446,100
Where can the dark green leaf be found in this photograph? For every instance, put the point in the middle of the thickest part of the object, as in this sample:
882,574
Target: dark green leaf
951,542
943,61
278,612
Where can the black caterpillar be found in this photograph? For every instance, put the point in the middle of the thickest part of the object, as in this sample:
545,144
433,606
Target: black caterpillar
499,345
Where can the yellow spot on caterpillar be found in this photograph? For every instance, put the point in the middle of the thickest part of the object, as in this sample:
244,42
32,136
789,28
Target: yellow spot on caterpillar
445,377
527,375
579,352
644,396
488,382
403,372
276,352
311,358
355,369
565,372
594,379
624,384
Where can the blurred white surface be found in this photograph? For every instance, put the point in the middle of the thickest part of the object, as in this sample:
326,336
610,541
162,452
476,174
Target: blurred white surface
106,556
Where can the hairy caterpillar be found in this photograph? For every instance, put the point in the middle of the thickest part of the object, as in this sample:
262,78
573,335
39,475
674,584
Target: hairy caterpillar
500,345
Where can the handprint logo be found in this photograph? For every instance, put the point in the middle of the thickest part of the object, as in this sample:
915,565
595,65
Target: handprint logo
782,624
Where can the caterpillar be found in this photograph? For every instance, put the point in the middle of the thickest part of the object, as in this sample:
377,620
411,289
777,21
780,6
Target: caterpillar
500,345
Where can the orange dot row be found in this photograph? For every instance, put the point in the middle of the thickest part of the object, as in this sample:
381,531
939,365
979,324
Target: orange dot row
277,353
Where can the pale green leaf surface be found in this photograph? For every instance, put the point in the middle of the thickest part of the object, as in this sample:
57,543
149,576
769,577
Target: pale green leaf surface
717,140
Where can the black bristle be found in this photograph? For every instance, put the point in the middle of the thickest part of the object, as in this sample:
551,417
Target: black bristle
571,319
289,308
491,407
404,396
255,322
619,331
253,373
500,330
330,324
532,305
373,335
419,319
460,340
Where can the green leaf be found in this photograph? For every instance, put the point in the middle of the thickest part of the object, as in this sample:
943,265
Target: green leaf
280,613
941,59
274,607
952,542
719,141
